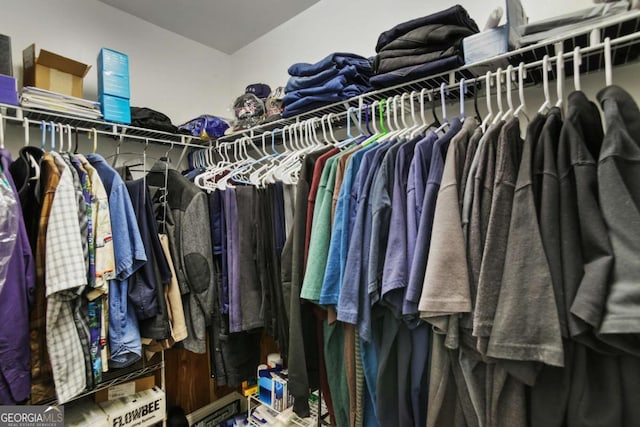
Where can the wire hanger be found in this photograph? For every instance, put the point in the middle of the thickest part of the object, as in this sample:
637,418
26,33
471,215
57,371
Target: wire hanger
577,62
489,115
545,85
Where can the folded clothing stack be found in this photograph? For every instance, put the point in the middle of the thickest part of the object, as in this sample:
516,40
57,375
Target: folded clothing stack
422,46
337,77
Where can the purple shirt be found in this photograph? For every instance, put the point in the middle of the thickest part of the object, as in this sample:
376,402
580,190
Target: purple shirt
15,299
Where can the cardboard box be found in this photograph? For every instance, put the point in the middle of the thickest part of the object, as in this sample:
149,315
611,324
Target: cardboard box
125,389
141,409
113,73
53,72
8,90
84,413
115,109
6,64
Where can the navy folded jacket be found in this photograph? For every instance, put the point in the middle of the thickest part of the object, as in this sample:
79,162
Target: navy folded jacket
334,60
455,15
415,72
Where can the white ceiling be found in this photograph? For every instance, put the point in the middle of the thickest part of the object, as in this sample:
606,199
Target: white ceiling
225,25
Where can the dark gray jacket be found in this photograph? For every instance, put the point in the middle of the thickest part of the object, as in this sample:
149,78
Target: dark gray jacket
619,190
188,229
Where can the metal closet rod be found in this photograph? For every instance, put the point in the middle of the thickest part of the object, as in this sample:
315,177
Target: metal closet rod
89,131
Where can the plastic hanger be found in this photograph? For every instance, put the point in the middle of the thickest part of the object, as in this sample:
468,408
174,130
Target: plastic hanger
43,128
69,139
577,62
424,125
52,131
475,99
545,86
1,131
522,108
489,115
509,77
75,141
350,138
61,137
463,92
25,124
608,72
408,130
500,112
436,121
560,78
94,132
443,102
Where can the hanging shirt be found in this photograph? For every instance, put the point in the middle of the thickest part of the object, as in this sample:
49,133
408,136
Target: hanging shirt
445,289
65,276
586,251
507,163
15,299
124,332
618,175
431,183
526,326
395,269
104,256
42,376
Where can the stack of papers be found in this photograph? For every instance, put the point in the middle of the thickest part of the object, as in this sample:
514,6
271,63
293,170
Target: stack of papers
33,97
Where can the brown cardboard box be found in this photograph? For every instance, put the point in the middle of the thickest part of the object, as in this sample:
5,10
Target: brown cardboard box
53,72
125,389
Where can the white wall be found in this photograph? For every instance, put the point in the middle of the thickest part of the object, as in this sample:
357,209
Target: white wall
169,73
353,26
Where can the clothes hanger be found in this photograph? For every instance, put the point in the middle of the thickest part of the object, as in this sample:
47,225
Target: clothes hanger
424,125
463,92
608,72
500,112
489,115
560,77
1,131
436,120
43,128
510,110
69,139
577,62
61,137
545,86
408,130
94,132
117,153
350,138
76,137
25,124
475,99
443,102
522,108
52,131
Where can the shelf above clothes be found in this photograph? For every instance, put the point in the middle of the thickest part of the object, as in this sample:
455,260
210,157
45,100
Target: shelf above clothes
623,31
35,117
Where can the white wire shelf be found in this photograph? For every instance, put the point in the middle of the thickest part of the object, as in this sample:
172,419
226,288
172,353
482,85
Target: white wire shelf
623,30
35,117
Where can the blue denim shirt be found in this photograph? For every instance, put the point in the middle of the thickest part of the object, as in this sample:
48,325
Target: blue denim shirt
124,333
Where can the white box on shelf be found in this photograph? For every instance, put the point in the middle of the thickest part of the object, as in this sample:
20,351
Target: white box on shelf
141,409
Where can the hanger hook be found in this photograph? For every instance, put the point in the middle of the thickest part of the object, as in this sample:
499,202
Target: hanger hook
463,92
577,62
25,123
443,101
69,139
53,135
545,84
608,72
